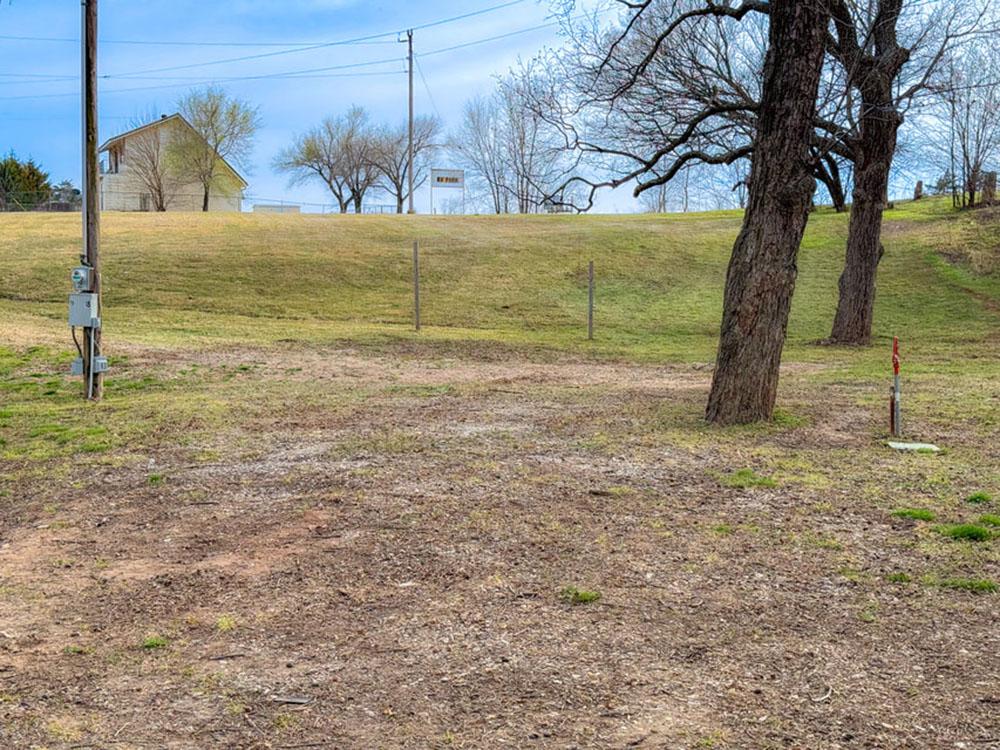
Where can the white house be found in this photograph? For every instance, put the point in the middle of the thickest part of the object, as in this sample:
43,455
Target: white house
135,177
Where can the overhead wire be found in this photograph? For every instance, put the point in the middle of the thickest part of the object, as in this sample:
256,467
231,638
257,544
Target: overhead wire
298,73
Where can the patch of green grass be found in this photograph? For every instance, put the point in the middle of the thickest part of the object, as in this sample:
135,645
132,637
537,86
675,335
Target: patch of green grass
915,514
574,595
155,480
899,577
965,531
817,540
977,498
989,519
869,613
975,585
785,418
723,529
225,623
76,650
155,642
747,479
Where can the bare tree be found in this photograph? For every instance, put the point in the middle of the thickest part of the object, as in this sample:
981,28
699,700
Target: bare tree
888,56
512,152
969,111
149,163
616,109
390,153
533,155
361,173
223,129
479,145
316,154
340,152
762,270
634,97
659,199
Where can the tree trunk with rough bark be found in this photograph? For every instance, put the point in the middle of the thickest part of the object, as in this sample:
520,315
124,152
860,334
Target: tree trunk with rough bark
204,200
762,270
875,148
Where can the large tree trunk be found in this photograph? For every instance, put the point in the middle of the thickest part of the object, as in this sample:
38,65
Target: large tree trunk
762,270
357,204
204,200
875,148
399,202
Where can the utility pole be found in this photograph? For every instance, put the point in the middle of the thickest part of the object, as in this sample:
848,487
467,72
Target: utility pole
85,302
409,169
94,364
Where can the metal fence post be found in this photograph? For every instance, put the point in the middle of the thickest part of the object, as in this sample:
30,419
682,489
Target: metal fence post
416,286
590,302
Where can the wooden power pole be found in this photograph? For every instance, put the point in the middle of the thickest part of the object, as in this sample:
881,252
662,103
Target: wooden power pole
93,377
409,169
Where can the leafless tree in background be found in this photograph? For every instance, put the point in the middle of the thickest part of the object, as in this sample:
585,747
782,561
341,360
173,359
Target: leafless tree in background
514,155
533,153
224,128
361,173
340,152
149,163
478,144
967,119
316,154
390,154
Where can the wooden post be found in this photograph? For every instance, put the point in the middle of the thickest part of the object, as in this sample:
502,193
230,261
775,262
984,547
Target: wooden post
93,381
590,302
416,286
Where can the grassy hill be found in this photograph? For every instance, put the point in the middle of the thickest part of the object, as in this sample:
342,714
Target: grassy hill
194,280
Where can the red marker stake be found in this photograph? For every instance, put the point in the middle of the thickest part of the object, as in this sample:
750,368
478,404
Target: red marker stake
895,422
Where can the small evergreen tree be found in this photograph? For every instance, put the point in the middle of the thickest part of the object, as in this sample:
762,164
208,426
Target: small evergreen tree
23,185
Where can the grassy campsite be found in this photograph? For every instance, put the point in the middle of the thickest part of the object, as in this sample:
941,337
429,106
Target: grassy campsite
293,519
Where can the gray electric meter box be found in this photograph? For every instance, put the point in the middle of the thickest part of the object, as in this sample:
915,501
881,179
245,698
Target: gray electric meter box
81,278
100,365
83,310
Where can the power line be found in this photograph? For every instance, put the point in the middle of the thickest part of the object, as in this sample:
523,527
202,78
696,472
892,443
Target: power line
372,39
303,73
323,45
203,82
427,88
509,34
154,43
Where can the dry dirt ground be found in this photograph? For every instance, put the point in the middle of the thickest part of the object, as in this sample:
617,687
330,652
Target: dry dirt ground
389,570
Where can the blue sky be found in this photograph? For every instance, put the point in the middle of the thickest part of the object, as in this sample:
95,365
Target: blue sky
39,113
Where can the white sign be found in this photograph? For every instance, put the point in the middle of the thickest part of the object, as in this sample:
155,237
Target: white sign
447,178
